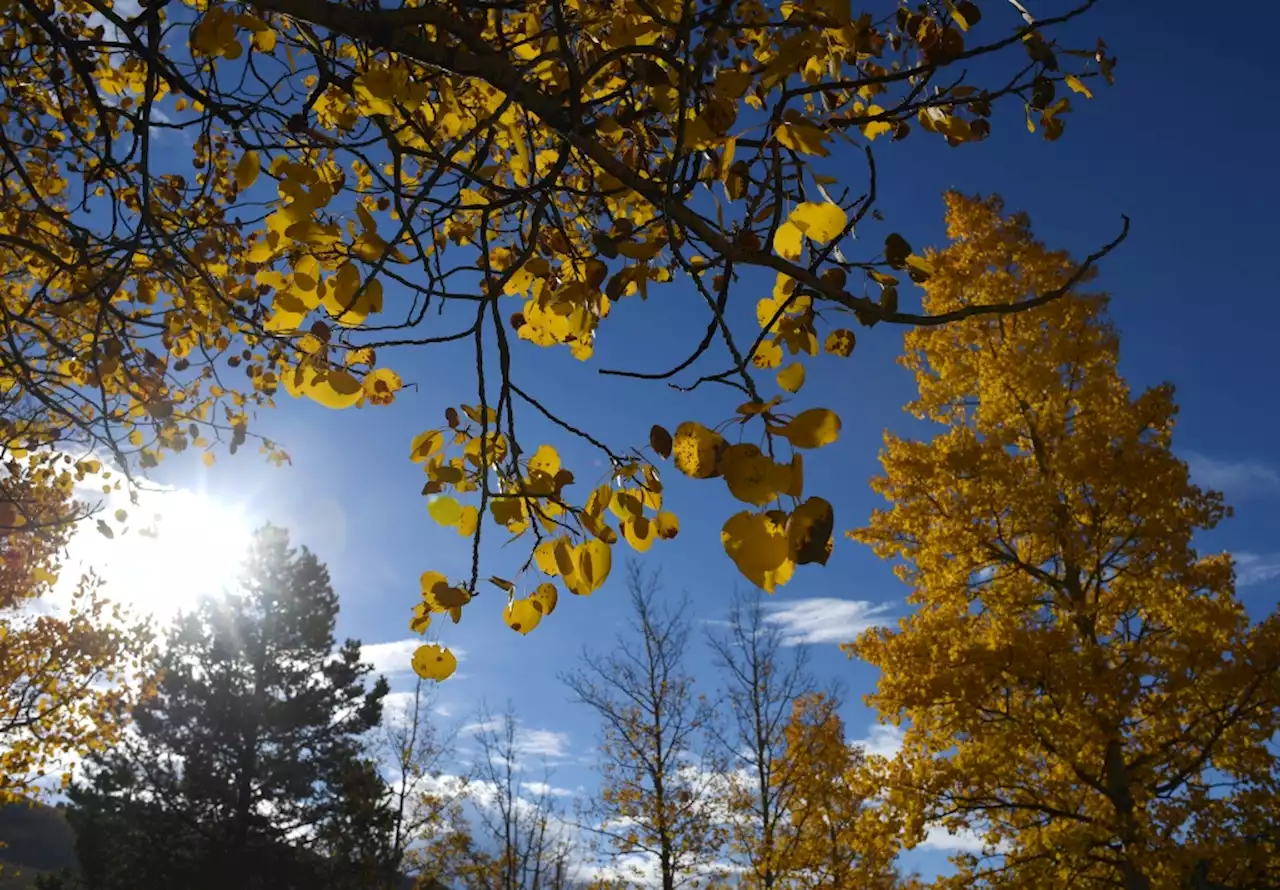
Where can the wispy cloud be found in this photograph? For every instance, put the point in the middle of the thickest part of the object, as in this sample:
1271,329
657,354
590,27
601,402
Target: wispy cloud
825,619
1256,568
1238,478
542,742
528,742
395,658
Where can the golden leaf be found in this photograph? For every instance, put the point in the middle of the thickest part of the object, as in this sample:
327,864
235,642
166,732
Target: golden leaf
812,429
445,510
819,221
434,663
696,450
522,615
544,598
247,168
757,543
791,378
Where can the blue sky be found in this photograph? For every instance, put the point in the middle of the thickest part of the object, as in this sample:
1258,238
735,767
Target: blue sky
1185,148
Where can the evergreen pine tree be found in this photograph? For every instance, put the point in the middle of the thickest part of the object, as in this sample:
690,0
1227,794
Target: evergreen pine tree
248,769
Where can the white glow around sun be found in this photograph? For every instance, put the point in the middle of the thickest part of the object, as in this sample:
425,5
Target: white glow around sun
197,549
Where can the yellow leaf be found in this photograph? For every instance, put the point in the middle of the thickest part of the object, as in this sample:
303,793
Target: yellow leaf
812,429
1078,86
840,343
434,663
467,521
757,543
430,581
819,221
544,555
42,575
424,445
445,510
381,385
791,378
639,533
264,41
696,450
589,565
668,525
749,474
208,459
544,598
788,241
334,389
767,355
522,615
421,619
803,137
247,168
545,460
809,532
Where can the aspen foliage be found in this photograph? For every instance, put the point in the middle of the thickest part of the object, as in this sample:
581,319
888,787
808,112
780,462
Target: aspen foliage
210,206
68,672
1077,684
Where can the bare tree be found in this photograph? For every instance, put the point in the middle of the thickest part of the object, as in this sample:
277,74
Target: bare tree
761,685
508,834
656,776
415,750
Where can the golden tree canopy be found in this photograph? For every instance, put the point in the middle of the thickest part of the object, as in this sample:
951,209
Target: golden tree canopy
1080,686
366,180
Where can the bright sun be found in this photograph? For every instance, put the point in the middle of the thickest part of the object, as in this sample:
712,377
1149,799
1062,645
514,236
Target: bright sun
197,549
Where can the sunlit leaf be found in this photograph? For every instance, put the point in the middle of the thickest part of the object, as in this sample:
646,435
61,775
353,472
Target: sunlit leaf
445,510
434,662
812,429
791,378
757,544
696,450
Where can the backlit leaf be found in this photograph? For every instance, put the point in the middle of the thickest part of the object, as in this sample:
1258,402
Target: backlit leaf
791,378
247,167
696,450
819,221
434,663
757,544
809,532
445,510
522,615
812,429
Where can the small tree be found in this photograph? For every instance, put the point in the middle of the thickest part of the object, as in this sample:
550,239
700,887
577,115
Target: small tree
761,683
247,768
68,676
838,835
414,751
657,778
497,831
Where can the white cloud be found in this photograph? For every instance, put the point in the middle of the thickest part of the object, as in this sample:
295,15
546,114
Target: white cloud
395,657
479,728
963,841
1237,478
542,742
528,742
882,740
824,619
542,789
1256,568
